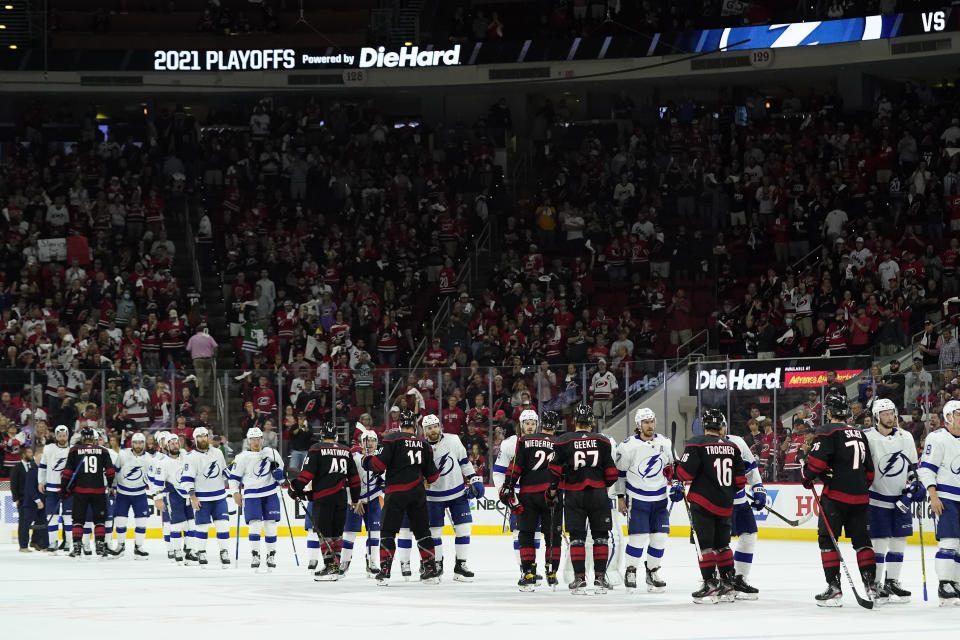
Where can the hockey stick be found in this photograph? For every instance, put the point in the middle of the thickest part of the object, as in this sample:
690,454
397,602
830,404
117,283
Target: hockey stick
789,521
236,555
286,514
694,538
923,556
863,602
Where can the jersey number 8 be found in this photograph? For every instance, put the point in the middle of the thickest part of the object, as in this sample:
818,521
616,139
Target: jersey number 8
580,459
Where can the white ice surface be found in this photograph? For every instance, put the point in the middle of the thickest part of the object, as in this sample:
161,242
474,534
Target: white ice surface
56,597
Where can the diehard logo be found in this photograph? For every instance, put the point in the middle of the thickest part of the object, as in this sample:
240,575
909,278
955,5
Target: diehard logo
408,57
738,380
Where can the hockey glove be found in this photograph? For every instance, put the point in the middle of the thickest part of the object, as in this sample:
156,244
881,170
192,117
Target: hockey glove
676,491
64,492
759,498
917,492
476,487
296,492
552,496
507,496
807,481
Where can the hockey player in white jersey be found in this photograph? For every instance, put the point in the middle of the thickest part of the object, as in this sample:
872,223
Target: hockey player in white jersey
371,488
505,458
204,476
940,473
645,465
743,523
449,495
161,453
133,467
894,488
168,496
259,471
58,510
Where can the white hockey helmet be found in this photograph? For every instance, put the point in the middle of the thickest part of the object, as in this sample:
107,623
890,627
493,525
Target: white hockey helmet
201,431
161,438
529,414
882,404
254,432
138,437
641,414
429,420
61,427
949,408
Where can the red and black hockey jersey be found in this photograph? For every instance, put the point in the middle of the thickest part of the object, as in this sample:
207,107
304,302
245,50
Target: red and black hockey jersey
840,454
407,460
531,463
714,468
93,468
583,460
330,467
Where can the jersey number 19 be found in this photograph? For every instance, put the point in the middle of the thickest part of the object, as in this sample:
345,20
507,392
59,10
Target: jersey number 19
90,464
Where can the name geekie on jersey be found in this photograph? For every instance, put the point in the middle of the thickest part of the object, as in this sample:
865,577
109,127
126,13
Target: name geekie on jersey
738,380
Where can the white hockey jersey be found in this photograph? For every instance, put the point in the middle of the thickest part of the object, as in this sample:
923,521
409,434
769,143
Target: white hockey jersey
893,457
137,402
504,459
166,475
940,464
371,484
455,468
641,465
133,472
750,466
205,473
52,462
252,470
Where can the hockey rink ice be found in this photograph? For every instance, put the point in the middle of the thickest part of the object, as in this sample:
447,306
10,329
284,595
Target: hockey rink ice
45,597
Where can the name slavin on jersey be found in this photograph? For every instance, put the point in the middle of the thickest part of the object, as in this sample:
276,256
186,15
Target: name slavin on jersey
719,450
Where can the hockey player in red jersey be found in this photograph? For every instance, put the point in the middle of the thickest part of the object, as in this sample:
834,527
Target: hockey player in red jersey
87,474
407,461
583,461
840,456
714,468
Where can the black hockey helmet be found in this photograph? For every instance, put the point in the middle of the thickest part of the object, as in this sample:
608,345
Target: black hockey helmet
837,405
87,433
549,421
407,419
713,419
328,430
583,415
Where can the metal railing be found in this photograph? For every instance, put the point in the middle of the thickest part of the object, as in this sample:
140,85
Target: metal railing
815,252
192,248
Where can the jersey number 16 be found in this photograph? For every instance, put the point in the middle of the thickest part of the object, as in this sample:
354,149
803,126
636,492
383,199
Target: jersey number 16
724,467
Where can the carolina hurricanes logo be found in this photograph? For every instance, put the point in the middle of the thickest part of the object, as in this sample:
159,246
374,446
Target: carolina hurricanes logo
61,463
894,466
446,464
213,470
134,474
653,468
262,469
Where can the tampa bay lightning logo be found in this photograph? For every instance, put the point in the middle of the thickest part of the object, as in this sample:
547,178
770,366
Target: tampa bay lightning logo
61,463
134,474
446,464
212,471
955,465
263,469
652,468
797,34
893,466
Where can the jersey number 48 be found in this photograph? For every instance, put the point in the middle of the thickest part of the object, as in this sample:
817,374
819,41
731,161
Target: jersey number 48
338,465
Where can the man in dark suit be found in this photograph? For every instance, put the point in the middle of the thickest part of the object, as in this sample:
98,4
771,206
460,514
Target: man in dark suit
24,486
